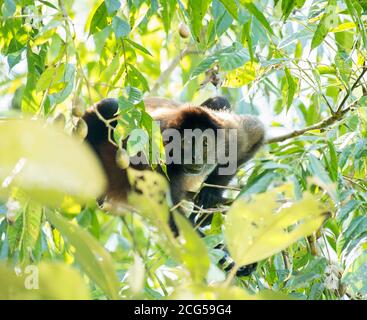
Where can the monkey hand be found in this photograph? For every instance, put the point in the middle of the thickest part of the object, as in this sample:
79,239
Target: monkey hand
209,198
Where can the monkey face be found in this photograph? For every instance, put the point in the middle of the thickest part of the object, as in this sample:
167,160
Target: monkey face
198,152
251,136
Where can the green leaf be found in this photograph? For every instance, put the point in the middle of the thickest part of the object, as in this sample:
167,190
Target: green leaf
168,10
229,58
318,170
356,10
258,229
52,79
313,271
221,21
333,163
135,95
288,40
347,209
157,150
127,122
291,88
231,6
203,66
246,36
135,145
48,4
68,80
355,231
259,184
112,5
232,57
99,19
138,46
194,253
14,231
46,163
95,261
363,4
287,8
300,3
343,65
120,27
149,198
258,15
327,22
355,277
197,10
8,8
137,79
59,81
31,228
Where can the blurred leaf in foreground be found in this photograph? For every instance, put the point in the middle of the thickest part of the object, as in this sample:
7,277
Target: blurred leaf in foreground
149,195
202,292
46,163
258,229
43,282
94,259
194,253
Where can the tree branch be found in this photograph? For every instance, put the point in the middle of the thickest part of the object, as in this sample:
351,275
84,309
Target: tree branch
319,125
336,116
174,63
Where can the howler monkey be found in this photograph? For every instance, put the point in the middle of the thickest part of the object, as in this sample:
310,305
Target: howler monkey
212,114
184,178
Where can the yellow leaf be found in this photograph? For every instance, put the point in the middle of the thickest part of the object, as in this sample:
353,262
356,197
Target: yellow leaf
241,76
326,69
258,229
344,26
70,206
44,37
149,195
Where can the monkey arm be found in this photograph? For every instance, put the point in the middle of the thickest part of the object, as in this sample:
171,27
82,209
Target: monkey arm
217,103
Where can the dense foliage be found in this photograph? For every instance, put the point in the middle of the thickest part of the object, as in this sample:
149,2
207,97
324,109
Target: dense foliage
298,65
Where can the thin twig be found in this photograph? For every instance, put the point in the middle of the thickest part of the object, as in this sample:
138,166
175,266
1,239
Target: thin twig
221,187
82,73
341,105
338,115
